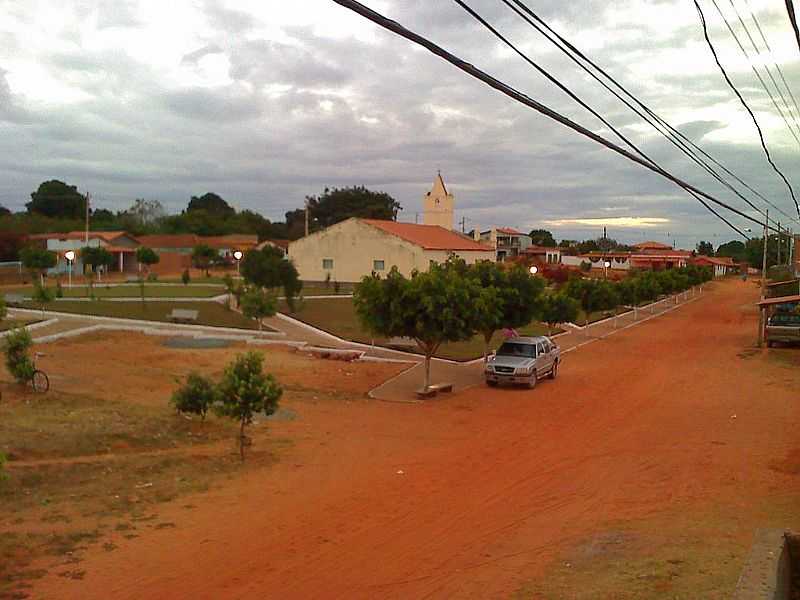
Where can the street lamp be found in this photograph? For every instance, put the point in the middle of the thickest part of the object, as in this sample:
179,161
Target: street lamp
606,267
70,256
534,270
238,256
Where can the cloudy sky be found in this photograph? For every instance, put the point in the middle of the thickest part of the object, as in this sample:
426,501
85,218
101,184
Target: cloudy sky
267,101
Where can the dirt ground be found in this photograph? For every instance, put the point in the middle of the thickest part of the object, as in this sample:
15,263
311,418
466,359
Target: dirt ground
640,473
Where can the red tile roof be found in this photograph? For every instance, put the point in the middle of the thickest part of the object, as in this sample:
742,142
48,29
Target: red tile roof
235,240
178,240
430,237
509,231
652,246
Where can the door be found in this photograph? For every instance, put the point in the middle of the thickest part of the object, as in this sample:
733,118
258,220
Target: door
543,359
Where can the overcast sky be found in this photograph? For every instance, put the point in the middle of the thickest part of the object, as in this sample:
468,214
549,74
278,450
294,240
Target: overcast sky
267,101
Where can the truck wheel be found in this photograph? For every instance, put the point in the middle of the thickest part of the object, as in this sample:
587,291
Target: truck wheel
554,370
532,382
491,383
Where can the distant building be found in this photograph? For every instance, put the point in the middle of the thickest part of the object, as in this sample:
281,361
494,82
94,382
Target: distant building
120,244
507,242
543,255
349,250
438,205
653,256
282,245
721,265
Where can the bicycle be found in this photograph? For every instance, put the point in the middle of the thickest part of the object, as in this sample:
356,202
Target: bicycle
39,379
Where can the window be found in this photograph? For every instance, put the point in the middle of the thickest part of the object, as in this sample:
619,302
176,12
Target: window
378,265
327,264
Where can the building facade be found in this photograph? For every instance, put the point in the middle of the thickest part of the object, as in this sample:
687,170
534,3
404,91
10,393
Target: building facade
347,251
508,242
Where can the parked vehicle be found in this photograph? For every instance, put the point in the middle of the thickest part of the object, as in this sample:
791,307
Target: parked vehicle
783,327
523,360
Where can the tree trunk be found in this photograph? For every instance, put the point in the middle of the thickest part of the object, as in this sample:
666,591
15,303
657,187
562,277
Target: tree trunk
487,339
427,370
241,441
260,324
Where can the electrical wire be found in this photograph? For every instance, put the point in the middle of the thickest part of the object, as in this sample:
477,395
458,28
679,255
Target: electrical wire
561,86
673,135
522,98
742,100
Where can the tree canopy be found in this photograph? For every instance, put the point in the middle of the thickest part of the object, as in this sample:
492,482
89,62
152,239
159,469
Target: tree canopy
337,204
733,249
212,204
705,248
57,199
268,268
542,237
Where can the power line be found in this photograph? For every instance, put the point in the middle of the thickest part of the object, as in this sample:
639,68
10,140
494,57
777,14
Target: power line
527,59
515,94
793,20
742,100
775,62
766,66
674,136
755,71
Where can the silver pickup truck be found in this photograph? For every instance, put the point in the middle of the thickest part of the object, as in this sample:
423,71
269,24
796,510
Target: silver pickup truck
783,327
523,360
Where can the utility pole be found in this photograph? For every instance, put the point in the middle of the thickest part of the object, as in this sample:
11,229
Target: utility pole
763,282
86,236
779,242
306,217
463,224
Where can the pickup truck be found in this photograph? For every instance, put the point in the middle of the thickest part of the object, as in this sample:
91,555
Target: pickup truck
783,327
523,360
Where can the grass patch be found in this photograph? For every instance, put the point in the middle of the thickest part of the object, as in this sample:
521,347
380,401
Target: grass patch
132,291
7,324
211,314
338,316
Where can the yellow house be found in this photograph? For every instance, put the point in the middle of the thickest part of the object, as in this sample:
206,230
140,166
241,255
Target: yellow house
349,250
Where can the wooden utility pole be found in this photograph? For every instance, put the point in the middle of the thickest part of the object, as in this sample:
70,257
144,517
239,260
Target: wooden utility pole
86,236
306,217
779,243
761,312
463,224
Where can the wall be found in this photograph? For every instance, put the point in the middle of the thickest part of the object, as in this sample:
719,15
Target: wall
171,263
354,246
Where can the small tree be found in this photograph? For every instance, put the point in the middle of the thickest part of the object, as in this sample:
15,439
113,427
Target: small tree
203,257
18,362
3,309
195,396
38,261
258,304
431,308
185,277
245,390
268,268
43,295
95,257
147,257
558,308
3,461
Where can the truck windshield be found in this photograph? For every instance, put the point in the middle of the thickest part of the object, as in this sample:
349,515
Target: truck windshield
787,320
517,349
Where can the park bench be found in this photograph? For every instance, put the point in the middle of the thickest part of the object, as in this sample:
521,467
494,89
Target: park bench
14,298
432,390
183,315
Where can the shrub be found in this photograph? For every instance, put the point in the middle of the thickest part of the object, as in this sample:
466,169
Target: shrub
195,396
59,290
3,309
245,390
18,362
258,304
185,277
3,461
152,277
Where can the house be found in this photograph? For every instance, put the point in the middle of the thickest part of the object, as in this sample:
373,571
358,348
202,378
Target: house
653,256
508,242
351,249
226,245
722,265
174,250
282,245
120,244
543,255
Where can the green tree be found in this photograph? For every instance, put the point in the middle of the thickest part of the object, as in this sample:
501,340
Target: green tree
95,257
212,204
705,249
38,260
195,396
245,390
258,304
593,295
186,277
542,237
733,249
268,268
338,204
431,308
3,309
147,257
43,295
754,251
18,361
57,199
3,461
558,308
203,257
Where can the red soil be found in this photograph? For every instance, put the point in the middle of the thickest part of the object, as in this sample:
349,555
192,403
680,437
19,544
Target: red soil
469,497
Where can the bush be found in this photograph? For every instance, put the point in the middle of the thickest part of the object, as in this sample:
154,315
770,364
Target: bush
152,277
18,362
3,309
195,396
59,290
185,277
3,461
258,304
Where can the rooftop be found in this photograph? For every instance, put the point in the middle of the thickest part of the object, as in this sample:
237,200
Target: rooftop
430,237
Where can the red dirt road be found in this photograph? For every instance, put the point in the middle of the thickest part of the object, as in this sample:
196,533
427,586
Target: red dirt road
494,482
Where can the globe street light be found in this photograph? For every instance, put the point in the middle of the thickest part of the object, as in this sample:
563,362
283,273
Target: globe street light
606,267
534,270
238,256
70,256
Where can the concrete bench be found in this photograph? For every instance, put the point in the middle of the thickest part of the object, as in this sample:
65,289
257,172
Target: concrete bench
432,390
14,298
183,315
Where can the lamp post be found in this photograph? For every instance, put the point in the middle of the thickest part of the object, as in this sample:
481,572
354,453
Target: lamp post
70,256
238,256
606,267
534,270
